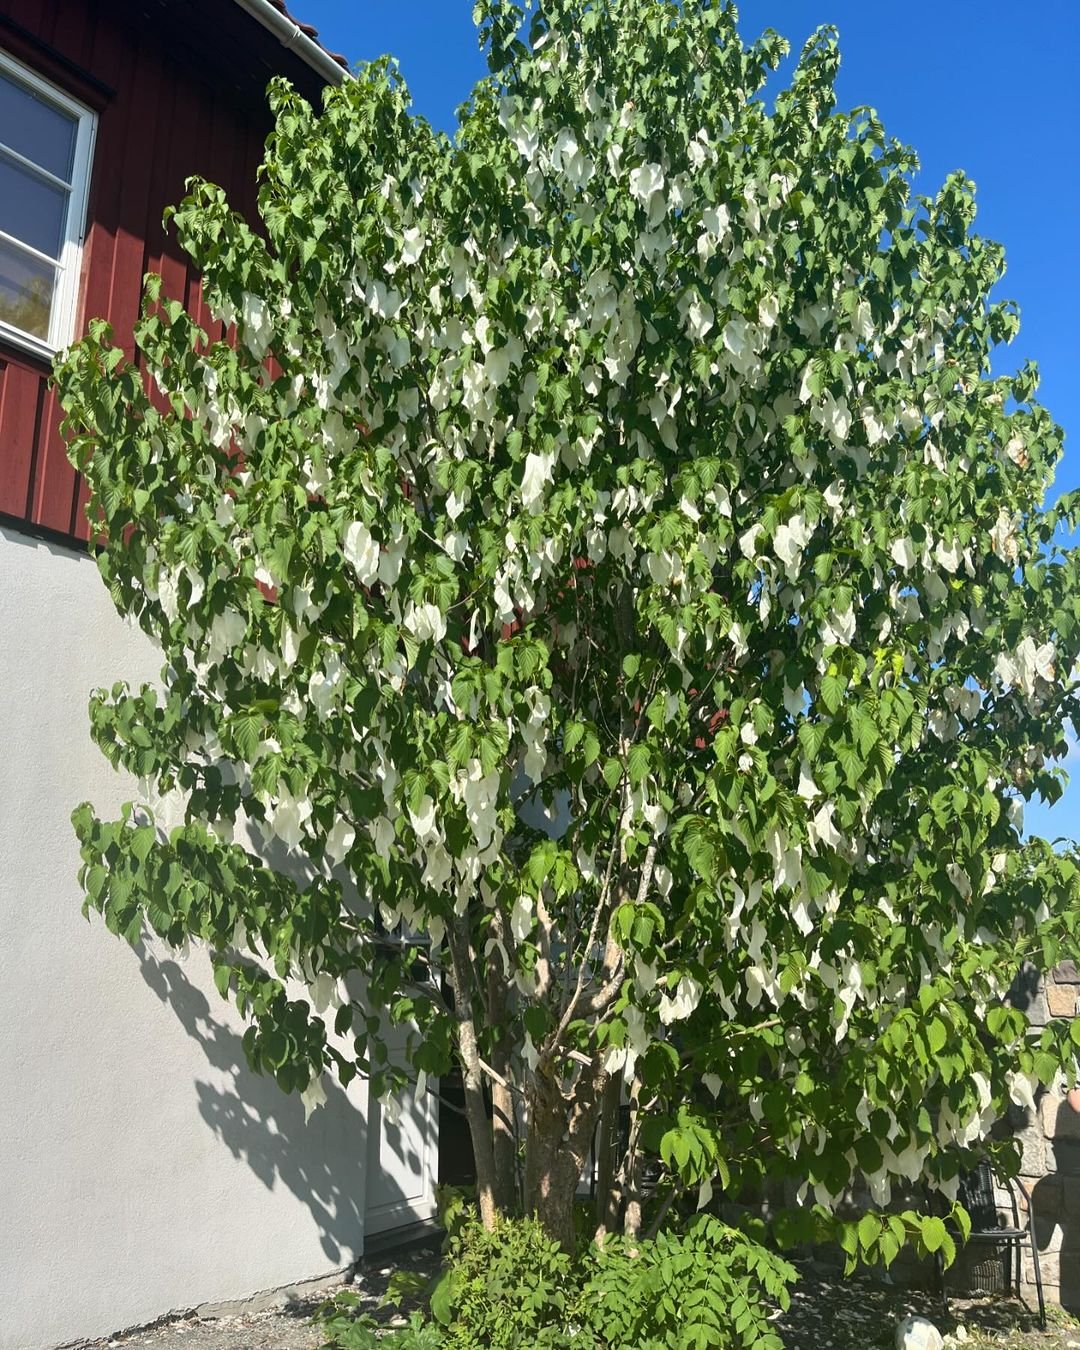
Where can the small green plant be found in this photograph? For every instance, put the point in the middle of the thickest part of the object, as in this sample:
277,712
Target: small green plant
704,1288
346,1329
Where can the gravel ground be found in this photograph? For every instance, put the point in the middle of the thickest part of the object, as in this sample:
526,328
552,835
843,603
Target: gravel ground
825,1314
284,1328
860,1314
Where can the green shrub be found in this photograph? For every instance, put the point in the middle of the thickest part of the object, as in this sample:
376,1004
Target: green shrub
708,1287
508,1289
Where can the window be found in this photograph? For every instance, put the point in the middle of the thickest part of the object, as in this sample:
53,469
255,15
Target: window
46,141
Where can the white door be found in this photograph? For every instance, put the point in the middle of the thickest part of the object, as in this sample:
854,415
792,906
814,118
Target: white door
403,1163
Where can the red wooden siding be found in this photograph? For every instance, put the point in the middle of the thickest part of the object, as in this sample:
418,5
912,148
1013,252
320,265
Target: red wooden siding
178,86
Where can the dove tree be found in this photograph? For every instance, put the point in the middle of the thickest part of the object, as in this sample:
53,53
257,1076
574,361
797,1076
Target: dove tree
611,622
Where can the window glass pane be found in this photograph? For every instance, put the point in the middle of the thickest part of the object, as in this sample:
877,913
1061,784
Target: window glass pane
36,128
31,209
26,291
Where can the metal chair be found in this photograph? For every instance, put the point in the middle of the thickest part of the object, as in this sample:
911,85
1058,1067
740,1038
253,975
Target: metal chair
978,1193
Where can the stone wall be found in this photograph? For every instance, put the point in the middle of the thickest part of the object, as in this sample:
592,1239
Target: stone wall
1050,1167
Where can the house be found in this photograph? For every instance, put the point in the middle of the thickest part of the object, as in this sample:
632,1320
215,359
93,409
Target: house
142,1169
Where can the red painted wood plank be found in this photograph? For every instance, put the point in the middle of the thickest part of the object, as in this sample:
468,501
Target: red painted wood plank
54,487
71,31
20,399
142,125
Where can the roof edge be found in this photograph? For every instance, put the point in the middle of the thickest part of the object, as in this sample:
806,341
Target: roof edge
293,38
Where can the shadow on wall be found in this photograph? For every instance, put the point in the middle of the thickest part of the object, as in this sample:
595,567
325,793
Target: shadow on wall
321,1162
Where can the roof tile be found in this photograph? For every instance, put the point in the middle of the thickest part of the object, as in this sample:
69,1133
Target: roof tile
309,31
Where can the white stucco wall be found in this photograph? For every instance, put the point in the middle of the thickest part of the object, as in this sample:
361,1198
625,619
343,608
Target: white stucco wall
142,1169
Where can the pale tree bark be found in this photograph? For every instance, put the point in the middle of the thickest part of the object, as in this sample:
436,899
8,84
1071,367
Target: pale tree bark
634,1166
472,1074
504,1144
561,1127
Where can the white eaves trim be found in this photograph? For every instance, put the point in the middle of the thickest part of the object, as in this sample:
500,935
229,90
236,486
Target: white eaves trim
291,36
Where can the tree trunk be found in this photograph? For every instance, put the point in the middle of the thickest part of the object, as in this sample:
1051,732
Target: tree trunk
551,1174
475,1109
559,1142
504,1145
607,1196
634,1165
502,1099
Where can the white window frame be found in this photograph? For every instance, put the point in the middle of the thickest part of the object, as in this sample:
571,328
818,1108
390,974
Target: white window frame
65,305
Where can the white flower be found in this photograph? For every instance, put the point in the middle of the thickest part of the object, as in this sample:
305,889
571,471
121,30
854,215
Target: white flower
288,817
687,997
1017,451
339,840
362,552
790,539
423,818
840,628
834,415
822,830
256,325
699,317
412,245
1022,1088
902,553
1003,538
768,311
568,159
736,336
737,638
313,1096
525,142
425,622
382,831
521,918
391,557
538,473
325,992
748,541
807,788
949,558
1026,664
645,182
873,426
168,593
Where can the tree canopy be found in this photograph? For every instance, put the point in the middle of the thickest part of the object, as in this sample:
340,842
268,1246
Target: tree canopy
611,619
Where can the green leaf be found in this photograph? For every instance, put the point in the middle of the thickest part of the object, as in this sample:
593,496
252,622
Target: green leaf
934,1233
832,692
869,1231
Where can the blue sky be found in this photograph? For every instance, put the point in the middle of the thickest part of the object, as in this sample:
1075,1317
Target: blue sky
986,86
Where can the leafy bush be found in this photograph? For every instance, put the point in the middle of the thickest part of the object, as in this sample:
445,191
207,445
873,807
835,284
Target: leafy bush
509,1288
706,1287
